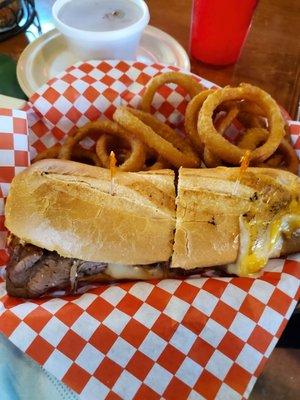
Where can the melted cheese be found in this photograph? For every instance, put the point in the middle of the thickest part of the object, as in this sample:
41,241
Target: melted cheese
258,244
120,271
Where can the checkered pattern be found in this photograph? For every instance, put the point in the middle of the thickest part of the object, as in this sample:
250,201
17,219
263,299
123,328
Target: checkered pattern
190,339
93,90
14,157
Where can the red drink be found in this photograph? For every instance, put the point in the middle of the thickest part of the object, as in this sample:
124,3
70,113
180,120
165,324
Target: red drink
219,28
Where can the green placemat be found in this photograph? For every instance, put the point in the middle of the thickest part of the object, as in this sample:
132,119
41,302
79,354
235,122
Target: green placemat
9,85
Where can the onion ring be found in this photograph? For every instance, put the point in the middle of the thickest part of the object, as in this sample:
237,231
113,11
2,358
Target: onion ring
211,160
106,143
189,83
223,148
155,161
155,139
289,156
250,120
251,107
191,117
275,161
287,153
78,153
252,138
134,163
52,152
223,123
250,115
160,163
246,106
167,133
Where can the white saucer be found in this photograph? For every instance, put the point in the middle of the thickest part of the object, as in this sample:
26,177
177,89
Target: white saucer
49,55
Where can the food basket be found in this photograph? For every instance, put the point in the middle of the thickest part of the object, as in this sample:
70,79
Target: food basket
195,338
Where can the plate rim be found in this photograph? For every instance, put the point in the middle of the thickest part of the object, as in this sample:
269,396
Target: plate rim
28,53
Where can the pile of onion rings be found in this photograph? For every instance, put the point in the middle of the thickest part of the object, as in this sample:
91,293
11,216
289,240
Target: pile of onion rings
142,142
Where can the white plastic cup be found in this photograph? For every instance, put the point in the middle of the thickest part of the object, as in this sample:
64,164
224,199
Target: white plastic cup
121,44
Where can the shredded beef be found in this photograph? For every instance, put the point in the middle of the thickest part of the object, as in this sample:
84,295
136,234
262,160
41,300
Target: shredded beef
33,272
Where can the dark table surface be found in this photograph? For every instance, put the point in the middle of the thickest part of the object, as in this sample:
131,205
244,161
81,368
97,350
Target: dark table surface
270,57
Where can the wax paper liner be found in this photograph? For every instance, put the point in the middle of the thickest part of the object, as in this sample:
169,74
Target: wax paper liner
205,338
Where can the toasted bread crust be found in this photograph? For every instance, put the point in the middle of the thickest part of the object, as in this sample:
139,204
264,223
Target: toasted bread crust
210,203
78,211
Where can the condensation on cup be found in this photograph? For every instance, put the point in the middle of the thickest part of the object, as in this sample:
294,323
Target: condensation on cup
102,29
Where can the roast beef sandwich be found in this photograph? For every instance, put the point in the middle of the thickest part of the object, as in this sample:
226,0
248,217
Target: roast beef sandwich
72,224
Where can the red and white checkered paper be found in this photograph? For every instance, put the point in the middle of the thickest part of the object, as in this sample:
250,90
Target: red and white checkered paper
191,339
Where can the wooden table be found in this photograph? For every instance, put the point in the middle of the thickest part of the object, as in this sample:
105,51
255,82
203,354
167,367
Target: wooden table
271,59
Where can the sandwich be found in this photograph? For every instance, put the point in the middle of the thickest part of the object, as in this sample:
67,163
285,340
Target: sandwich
71,225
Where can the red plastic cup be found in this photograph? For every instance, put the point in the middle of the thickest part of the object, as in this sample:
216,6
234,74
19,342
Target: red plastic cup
219,28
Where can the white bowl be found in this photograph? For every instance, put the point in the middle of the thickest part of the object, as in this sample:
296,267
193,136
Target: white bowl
117,44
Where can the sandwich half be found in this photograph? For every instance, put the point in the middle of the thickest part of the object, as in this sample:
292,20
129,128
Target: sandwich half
71,220
239,220
72,224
